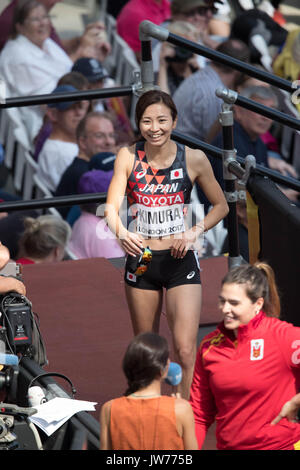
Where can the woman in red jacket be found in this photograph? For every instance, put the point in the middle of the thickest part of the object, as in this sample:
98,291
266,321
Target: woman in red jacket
247,372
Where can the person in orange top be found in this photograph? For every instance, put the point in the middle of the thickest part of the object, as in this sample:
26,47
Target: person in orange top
143,419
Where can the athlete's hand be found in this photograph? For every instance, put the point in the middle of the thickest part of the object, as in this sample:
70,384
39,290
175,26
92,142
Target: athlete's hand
289,410
180,246
132,243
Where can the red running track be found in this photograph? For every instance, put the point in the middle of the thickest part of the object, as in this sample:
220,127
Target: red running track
85,323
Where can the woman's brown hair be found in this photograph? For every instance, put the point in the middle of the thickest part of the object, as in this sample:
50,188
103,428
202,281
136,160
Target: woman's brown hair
259,281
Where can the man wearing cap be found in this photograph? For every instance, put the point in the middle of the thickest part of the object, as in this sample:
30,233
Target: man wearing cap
96,142
61,146
97,76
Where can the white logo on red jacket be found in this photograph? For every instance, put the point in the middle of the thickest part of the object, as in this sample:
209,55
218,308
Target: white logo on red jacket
257,349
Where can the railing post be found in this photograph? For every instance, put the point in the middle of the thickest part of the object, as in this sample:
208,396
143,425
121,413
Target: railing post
147,73
231,194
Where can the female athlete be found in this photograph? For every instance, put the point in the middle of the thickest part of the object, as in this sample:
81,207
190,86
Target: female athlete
158,175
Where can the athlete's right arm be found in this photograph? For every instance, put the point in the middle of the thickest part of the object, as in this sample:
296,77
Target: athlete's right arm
131,242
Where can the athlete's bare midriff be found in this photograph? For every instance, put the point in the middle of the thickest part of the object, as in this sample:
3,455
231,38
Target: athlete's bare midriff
164,243
158,199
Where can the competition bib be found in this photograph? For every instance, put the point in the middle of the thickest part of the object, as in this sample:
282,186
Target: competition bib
160,221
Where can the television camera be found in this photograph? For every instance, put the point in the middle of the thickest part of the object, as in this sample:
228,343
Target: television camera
19,337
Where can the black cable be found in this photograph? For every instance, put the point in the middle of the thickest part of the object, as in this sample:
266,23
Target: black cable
53,374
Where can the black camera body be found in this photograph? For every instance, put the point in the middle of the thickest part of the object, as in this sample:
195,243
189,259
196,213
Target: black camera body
15,313
15,333
15,338
19,337
17,321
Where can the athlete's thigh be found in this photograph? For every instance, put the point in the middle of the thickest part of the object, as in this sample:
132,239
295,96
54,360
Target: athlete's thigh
183,307
145,308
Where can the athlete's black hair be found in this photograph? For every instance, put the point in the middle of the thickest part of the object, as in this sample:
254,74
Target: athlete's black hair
154,97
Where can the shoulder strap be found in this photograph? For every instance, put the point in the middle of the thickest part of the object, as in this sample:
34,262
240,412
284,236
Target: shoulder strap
181,153
139,145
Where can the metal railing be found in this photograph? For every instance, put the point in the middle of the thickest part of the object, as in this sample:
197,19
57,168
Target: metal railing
234,166
150,30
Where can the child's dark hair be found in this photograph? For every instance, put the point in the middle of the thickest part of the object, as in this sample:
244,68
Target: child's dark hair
259,281
145,359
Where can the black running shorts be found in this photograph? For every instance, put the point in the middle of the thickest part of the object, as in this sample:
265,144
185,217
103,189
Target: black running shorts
166,271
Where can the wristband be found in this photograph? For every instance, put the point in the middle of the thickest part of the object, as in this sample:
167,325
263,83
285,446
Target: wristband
202,225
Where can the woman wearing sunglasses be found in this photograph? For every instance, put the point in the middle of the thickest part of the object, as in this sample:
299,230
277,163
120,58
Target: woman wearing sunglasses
158,175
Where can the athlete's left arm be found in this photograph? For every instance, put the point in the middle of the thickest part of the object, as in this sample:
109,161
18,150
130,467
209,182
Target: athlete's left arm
201,172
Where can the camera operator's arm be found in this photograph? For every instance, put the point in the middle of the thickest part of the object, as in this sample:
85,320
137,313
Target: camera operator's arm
11,284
